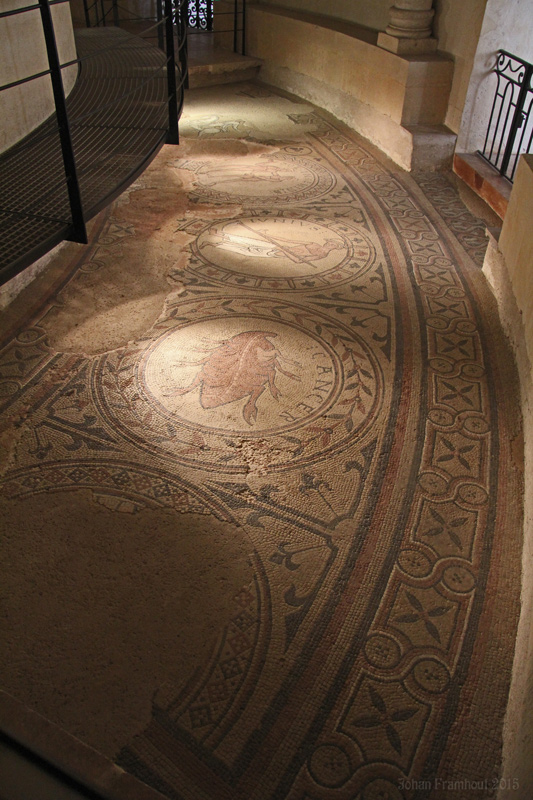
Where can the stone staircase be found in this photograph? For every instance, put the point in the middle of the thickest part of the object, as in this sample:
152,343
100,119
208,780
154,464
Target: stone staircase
210,65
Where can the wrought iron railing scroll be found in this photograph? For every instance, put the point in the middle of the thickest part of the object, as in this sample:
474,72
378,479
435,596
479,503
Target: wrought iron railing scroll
201,18
200,14
510,127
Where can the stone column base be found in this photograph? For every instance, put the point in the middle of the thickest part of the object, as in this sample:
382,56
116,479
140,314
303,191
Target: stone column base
405,46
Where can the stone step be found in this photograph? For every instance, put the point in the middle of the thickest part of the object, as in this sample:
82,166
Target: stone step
39,760
222,66
432,146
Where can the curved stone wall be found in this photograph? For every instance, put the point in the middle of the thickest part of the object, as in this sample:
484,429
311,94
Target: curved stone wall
371,15
23,53
398,102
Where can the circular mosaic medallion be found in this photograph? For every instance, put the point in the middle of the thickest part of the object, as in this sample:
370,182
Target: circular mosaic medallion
459,579
440,417
443,365
280,178
382,651
473,494
220,374
432,484
227,376
476,425
475,371
8,388
329,766
281,252
414,563
431,675
381,789
31,335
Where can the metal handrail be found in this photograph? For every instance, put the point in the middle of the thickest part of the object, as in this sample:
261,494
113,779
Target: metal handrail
185,12
80,60
65,137
177,14
510,126
77,230
239,10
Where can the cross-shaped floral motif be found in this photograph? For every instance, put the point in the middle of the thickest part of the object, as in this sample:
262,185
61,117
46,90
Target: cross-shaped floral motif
463,393
421,615
448,528
383,718
455,452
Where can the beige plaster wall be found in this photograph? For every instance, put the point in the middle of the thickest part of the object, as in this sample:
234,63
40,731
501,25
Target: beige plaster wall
509,268
23,53
373,14
457,27
370,13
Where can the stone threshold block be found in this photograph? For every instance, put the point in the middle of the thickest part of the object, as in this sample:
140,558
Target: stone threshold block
228,68
483,180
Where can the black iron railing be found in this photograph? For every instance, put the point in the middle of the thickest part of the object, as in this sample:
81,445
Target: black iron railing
96,142
101,13
200,14
510,128
192,16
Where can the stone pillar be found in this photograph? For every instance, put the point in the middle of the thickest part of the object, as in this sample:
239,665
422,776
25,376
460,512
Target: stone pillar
409,28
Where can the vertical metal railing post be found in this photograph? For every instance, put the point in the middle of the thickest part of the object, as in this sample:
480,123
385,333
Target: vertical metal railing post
183,56
518,116
86,13
209,15
116,19
160,31
243,48
235,18
79,232
173,135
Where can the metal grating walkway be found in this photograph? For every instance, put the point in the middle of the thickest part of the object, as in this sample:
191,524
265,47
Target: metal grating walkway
118,113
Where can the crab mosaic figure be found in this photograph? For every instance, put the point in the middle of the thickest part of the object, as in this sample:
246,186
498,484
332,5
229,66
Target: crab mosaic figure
242,366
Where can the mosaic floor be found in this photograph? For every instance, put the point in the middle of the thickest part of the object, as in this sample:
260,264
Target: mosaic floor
259,486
